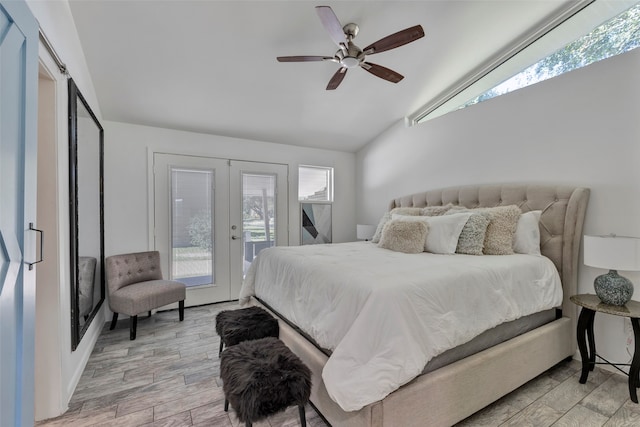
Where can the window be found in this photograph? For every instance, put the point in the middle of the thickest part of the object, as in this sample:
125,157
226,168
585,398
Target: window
579,36
315,183
618,35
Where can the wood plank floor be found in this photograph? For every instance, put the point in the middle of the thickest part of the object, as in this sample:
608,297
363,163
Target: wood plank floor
169,376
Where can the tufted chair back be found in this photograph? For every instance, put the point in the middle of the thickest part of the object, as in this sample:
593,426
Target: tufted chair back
124,270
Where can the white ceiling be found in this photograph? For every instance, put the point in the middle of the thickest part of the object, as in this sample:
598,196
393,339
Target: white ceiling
210,67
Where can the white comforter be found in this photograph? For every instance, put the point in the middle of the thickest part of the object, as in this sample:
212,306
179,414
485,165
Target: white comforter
385,314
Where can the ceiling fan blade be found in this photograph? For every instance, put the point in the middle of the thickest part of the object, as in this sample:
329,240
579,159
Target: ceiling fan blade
382,72
303,58
395,40
337,78
331,24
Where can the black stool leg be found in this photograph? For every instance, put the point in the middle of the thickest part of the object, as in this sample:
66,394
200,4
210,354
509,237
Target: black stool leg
149,313
133,322
181,310
303,418
226,405
114,320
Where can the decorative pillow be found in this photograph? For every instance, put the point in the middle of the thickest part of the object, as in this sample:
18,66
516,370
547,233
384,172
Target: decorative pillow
383,221
436,210
443,231
387,216
502,226
404,236
471,240
526,240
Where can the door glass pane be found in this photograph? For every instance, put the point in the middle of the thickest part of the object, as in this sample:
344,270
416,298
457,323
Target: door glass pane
191,226
258,214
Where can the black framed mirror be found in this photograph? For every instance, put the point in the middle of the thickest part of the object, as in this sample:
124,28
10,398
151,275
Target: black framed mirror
86,212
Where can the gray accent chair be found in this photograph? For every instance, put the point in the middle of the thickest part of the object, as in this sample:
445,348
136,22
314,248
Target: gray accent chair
86,284
135,285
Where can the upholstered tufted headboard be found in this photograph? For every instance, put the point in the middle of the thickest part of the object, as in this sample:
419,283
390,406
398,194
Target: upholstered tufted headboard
563,210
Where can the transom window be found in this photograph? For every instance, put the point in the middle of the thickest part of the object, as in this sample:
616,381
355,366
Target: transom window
597,31
618,35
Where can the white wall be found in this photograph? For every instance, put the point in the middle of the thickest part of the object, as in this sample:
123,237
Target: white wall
57,375
582,128
127,148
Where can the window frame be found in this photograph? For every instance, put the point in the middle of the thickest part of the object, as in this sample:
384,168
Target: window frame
329,174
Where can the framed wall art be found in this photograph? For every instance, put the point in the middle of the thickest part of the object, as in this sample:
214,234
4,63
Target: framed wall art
315,223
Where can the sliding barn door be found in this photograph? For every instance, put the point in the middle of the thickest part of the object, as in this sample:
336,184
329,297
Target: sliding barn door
18,144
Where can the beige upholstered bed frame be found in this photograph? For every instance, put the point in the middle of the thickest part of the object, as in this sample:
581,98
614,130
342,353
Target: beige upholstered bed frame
453,392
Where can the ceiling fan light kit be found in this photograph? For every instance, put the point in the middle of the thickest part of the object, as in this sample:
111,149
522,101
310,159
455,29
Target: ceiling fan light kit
349,55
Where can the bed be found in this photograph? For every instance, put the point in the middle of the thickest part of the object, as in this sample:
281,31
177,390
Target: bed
448,392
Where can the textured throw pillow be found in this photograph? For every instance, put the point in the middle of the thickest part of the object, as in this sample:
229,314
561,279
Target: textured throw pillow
387,216
502,226
383,221
443,231
436,210
471,240
526,239
404,236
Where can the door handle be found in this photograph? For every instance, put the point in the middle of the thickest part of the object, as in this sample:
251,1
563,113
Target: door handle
31,264
234,237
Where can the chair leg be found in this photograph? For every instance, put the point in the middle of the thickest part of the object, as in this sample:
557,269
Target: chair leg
226,405
133,322
181,310
149,313
303,418
114,320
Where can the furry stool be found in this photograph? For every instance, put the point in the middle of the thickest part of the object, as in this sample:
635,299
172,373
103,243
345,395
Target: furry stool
262,377
251,323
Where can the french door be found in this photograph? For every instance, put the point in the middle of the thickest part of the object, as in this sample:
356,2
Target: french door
211,218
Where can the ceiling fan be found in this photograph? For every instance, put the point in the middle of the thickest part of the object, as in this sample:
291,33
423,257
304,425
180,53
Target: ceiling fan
349,55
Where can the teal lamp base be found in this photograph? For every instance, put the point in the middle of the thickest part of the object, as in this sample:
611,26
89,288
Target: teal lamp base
613,289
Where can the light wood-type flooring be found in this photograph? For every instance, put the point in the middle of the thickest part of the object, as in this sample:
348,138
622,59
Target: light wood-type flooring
169,376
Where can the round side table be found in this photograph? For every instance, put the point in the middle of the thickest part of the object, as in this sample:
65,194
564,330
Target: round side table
591,304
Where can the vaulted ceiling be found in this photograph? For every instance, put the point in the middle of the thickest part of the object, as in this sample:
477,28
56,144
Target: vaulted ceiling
210,66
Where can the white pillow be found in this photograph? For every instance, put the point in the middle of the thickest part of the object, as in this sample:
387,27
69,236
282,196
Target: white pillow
443,231
526,239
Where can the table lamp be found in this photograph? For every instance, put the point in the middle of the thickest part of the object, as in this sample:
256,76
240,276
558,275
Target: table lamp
365,232
613,253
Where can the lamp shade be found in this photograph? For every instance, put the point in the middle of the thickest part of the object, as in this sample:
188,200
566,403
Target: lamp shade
365,232
612,252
